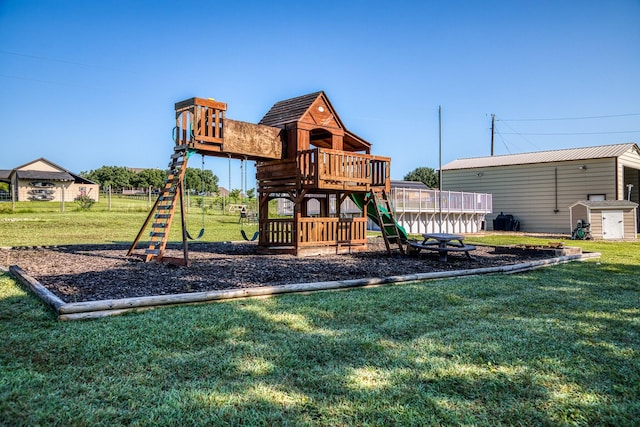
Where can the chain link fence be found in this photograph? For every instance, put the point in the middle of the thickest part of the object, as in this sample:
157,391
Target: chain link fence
123,200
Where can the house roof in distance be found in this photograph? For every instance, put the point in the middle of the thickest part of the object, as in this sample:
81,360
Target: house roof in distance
61,174
45,175
585,153
413,185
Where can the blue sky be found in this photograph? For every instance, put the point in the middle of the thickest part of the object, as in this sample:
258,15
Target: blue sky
92,83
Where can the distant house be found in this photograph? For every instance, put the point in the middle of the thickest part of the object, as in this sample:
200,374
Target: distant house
43,180
538,188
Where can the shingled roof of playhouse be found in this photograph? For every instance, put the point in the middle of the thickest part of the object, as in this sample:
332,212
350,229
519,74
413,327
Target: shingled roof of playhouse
294,110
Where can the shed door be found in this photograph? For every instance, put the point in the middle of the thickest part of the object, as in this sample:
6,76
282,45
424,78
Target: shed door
612,225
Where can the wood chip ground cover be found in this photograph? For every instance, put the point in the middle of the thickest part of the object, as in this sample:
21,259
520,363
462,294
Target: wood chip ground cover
98,272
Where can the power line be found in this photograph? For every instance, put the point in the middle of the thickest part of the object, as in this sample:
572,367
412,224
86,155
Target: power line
571,133
570,118
49,82
44,58
504,141
64,61
522,135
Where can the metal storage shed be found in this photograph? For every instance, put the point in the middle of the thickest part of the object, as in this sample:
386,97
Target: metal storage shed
608,219
537,188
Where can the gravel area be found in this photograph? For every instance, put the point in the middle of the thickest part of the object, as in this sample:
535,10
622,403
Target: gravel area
97,272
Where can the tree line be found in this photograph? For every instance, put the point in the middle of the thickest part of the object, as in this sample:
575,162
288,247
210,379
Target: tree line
120,177
197,180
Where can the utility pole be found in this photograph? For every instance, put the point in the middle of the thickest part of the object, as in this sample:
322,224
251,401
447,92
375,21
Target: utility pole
440,167
493,129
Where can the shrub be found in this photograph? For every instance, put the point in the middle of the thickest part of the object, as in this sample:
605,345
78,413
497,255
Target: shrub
84,202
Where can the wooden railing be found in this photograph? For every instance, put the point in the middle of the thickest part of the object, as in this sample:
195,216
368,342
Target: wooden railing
314,231
323,168
277,232
331,231
199,120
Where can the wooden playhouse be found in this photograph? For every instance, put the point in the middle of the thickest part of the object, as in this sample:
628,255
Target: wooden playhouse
305,154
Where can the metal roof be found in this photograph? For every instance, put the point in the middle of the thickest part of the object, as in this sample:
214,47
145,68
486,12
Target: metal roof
611,204
598,152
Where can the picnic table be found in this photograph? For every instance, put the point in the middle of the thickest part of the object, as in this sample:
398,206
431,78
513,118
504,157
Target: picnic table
443,243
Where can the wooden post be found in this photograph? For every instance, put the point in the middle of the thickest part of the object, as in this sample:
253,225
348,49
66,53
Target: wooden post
185,244
149,197
109,199
62,198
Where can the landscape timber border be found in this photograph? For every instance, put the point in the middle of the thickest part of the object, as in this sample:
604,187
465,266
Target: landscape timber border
104,308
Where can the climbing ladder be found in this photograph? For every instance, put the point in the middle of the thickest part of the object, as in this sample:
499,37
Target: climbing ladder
386,220
163,211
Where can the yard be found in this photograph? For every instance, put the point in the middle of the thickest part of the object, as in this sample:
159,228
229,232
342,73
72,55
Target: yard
555,346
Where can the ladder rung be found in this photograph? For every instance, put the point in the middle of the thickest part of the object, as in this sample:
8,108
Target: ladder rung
159,225
180,147
152,251
163,216
165,207
157,234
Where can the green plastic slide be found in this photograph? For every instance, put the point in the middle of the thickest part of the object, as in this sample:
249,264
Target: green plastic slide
358,199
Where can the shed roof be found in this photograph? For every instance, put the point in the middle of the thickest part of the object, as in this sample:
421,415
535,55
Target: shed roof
5,173
585,153
606,204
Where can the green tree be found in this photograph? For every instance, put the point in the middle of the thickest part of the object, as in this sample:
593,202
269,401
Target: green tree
148,178
117,177
251,193
197,180
426,175
234,194
210,181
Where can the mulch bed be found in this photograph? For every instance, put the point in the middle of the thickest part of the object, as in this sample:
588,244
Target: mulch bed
99,272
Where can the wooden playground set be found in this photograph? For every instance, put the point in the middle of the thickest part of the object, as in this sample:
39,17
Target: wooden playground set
303,152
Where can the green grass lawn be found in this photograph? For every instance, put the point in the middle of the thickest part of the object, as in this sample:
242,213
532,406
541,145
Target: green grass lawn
43,223
555,346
